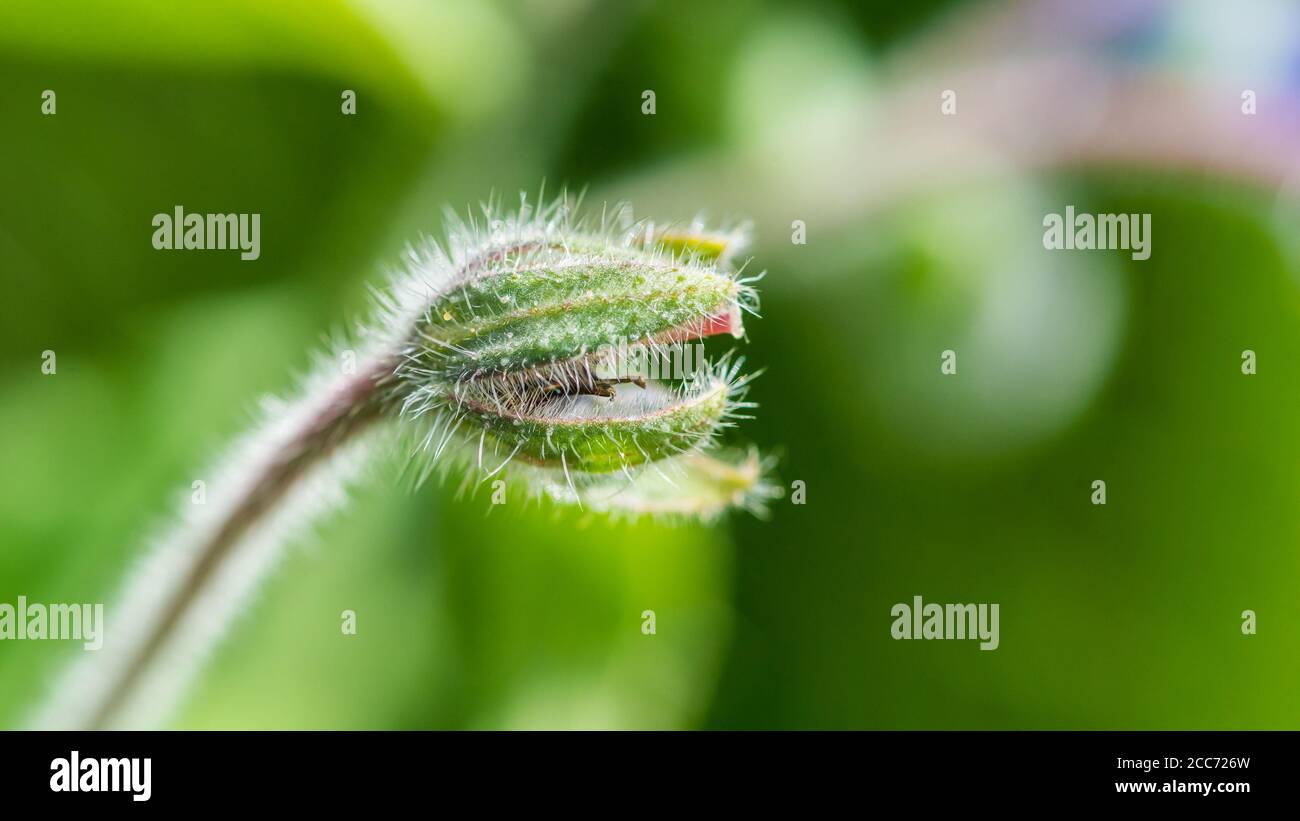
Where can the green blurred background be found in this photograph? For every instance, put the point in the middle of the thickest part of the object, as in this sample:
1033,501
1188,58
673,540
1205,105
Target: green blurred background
1072,367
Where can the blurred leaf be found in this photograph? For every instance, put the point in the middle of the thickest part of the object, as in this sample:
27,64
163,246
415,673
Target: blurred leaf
458,57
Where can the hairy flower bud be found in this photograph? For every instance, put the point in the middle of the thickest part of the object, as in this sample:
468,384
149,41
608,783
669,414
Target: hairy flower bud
516,353
533,313
506,349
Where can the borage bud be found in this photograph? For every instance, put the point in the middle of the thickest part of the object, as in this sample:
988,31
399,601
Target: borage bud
507,350
520,358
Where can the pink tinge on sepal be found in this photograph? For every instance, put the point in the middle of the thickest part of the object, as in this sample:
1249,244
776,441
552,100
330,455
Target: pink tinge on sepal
727,321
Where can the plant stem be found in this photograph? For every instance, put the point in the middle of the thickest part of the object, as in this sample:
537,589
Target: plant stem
347,408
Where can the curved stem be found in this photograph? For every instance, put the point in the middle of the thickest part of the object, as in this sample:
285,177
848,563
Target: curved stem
189,568
346,412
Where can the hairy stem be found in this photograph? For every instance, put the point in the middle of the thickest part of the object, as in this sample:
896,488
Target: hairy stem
184,594
348,411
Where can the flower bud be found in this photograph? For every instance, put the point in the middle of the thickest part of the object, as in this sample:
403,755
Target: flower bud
597,435
696,485
534,313
510,356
